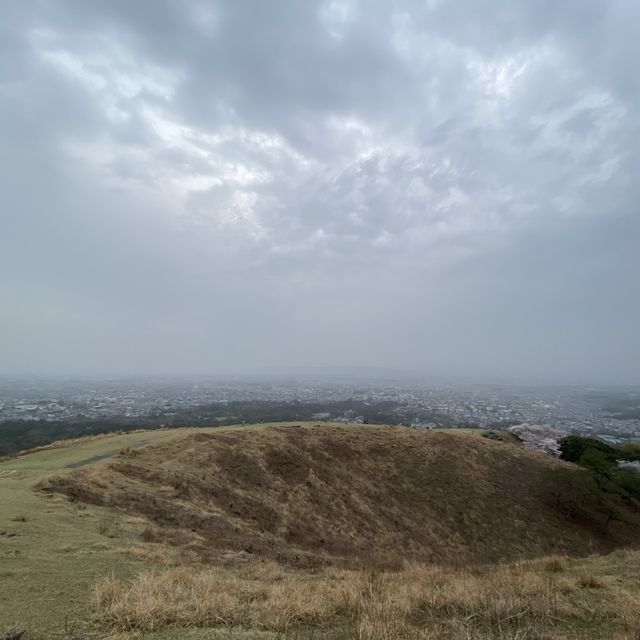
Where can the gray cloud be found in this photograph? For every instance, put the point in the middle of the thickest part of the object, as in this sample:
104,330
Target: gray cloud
221,186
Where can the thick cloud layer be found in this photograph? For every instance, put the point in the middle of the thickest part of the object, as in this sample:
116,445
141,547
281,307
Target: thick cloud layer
220,186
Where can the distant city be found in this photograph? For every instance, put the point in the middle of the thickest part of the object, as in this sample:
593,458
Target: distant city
610,413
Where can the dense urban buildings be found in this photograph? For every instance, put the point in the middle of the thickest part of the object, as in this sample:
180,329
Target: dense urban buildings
610,413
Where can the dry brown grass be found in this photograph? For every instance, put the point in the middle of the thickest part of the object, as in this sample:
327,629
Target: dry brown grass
180,596
151,534
109,526
311,495
144,553
556,564
589,581
510,602
128,452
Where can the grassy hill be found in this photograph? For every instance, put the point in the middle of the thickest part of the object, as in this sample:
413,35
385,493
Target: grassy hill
326,494
309,531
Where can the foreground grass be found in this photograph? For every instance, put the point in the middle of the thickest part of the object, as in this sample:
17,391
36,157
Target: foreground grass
52,549
69,569
550,599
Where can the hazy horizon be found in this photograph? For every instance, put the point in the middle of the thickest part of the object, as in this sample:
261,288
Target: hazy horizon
343,375
230,187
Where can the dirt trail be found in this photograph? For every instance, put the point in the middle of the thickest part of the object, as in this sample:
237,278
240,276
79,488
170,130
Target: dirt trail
82,463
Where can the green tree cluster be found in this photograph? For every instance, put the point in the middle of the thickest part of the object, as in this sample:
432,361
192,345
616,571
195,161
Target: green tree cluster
603,490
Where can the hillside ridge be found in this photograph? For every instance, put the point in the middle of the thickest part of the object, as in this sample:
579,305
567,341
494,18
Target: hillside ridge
316,494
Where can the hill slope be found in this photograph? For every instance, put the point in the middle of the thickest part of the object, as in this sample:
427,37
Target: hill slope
131,563
307,495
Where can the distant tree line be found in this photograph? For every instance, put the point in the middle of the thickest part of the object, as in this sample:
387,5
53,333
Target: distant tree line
18,435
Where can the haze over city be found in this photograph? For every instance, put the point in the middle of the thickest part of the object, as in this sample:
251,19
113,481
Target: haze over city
237,187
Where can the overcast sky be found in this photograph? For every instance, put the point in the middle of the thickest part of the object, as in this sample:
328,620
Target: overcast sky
207,186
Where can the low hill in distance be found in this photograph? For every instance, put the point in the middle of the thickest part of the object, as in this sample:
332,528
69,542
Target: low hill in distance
312,495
